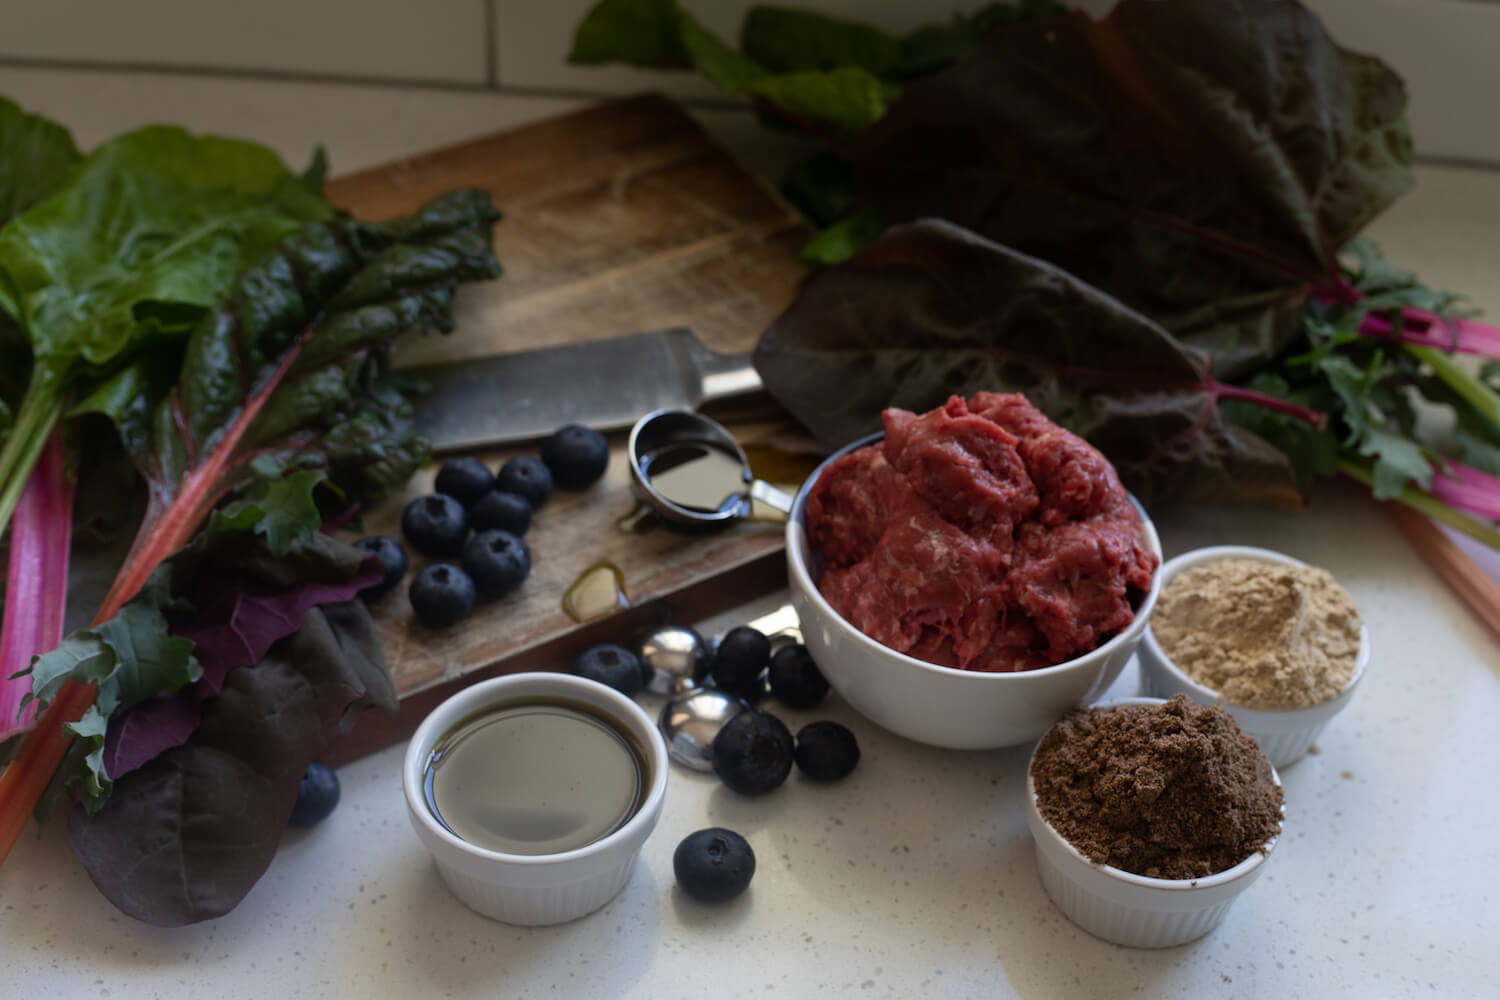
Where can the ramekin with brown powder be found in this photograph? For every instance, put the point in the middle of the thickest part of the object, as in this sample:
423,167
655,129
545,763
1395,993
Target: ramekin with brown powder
1172,790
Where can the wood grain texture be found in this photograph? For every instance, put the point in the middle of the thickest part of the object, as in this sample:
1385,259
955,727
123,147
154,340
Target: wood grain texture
619,218
1470,583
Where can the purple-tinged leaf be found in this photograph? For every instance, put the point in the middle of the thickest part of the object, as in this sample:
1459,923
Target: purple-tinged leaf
238,621
185,837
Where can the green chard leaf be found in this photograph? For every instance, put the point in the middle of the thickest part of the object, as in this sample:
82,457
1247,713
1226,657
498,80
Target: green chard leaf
151,230
660,34
129,659
929,310
36,158
639,32
848,98
786,40
1398,460
842,240
1199,162
1312,451
282,509
821,187
302,346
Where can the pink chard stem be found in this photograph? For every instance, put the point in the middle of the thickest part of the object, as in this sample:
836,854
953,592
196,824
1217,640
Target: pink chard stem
1265,399
1465,488
36,591
1427,329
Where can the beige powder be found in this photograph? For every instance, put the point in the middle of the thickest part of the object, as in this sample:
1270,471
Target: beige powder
1263,635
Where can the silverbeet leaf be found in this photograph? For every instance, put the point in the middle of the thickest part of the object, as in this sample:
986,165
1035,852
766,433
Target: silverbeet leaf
305,335
930,310
1201,162
787,40
36,156
150,230
662,35
185,837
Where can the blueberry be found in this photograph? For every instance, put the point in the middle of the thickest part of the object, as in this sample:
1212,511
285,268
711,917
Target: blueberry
753,753
465,480
752,692
435,525
441,595
527,476
392,560
576,455
316,796
713,865
501,511
826,751
740,657
498,561
613,665
796,680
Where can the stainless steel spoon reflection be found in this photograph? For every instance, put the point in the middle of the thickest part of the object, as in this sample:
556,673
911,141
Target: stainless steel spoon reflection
690,721
691,471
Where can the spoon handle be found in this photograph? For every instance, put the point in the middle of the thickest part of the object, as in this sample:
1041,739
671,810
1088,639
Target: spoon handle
771,496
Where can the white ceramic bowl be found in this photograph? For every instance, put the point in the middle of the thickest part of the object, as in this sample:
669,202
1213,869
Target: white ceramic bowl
1134,910
548,888
1286,734
944,706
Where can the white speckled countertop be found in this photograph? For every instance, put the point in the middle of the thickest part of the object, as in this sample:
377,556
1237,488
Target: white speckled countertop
914,877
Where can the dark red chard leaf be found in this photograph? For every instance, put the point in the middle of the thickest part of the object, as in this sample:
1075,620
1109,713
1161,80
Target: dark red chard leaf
930,310
236,620
1202,162
213,607
185,837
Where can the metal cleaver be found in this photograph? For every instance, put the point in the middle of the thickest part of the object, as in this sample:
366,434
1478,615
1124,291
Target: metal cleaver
603,384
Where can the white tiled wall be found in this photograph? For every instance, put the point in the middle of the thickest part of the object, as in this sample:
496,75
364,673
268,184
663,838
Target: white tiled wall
1448,50
426,40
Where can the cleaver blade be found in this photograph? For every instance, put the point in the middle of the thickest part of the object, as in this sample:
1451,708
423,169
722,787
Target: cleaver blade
604,384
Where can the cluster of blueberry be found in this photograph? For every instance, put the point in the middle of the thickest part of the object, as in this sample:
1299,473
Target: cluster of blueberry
497,508
754,751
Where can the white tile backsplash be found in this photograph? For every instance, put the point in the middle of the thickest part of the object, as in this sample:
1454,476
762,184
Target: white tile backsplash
359,125
429,40
533,38
1444,48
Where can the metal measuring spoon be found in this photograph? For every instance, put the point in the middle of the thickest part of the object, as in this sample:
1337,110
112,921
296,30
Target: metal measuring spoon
678,658
690,721
692,471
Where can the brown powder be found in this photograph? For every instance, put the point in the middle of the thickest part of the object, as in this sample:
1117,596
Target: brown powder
1263,635
1171,791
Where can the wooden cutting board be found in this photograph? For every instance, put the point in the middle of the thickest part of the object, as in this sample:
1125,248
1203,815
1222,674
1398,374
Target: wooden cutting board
620,218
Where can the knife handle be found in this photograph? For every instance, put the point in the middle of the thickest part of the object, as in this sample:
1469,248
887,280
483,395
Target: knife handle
725,375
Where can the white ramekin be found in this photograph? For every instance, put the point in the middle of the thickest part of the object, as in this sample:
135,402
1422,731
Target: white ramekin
1133,910
944,706
548,888
1284,734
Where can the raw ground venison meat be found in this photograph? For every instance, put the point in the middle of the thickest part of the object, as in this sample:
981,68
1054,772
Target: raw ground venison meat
979,535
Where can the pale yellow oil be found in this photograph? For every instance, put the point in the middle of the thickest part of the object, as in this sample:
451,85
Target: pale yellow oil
535,777
598,593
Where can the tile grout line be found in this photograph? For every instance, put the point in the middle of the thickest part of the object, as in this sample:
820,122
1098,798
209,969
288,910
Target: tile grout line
344,79
493,86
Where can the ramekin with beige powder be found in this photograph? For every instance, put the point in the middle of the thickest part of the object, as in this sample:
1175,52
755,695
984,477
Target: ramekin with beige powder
1264,635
